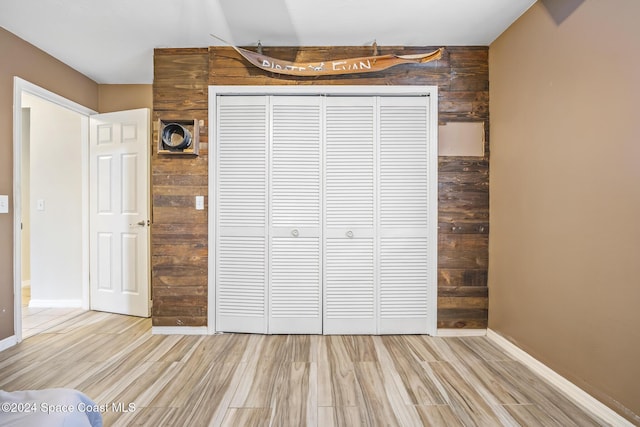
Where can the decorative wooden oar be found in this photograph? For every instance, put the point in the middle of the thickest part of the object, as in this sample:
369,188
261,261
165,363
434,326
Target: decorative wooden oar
365,64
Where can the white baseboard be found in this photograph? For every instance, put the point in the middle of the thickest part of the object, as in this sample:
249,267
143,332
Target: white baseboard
8,342
55,303
571,390
451,332
179,330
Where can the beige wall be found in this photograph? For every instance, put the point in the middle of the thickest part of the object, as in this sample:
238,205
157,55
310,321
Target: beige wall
27,62
124,97
564,263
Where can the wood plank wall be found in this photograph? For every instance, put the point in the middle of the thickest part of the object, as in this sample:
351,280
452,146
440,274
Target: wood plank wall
179,232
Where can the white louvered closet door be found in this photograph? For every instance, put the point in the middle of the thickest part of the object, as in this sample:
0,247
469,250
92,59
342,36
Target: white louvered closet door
326,216
349,239
295,304
241,223
406,216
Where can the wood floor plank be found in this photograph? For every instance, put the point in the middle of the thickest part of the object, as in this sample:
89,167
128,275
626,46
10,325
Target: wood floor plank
470,407
438,415
173,348
395,389
337,385
375,408
344,416
422,388
500,388
117,366
144,417
285,380
484,348
421,348
298,349
134,388
249,365
204,400
546,397
258,417
360,348
291,398
175,393
263,374
312,398
390,373
530,416
151,397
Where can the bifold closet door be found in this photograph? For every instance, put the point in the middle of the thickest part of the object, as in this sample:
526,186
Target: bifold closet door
295,279
241,213
350,294
325,214
379,213
268,252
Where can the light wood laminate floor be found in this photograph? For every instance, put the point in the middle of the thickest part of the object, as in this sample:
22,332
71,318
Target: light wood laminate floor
284,380
38,319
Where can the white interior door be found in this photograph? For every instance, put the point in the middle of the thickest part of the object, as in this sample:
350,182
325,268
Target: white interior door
119,212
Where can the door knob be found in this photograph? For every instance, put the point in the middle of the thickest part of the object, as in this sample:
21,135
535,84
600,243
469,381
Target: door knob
140,222
350,234
295,233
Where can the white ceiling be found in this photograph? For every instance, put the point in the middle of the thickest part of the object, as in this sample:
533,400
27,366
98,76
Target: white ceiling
112,41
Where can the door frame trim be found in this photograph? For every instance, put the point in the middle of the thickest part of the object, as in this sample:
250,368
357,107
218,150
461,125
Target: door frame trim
319,90
21,86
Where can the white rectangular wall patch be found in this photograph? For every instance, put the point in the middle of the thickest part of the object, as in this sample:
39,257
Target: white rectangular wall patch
461,139
4,204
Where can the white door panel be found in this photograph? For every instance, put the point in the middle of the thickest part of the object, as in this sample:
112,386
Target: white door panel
295,290
119,206
241,278
404,195
404,275
241,214
350,288
295,280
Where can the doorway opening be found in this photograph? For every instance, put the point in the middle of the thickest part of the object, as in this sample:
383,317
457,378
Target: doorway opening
51,238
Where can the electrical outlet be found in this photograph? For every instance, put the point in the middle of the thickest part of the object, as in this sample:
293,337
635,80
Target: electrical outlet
200,203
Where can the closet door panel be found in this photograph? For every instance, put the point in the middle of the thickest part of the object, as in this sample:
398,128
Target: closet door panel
241,284
404,275
349,182
295,286
349,286
404,215
241,214
295,303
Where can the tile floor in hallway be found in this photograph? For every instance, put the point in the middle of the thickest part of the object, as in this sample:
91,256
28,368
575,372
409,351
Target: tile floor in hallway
38,319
